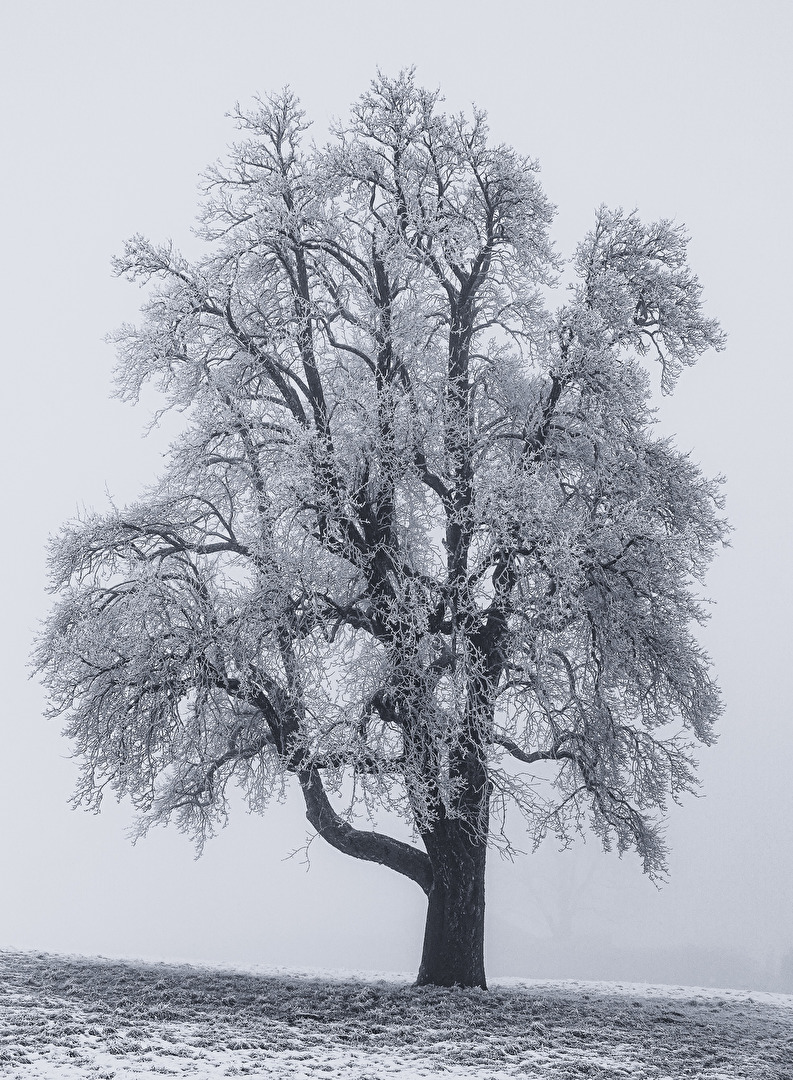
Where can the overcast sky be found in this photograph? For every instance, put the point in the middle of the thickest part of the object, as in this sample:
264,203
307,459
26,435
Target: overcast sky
110,110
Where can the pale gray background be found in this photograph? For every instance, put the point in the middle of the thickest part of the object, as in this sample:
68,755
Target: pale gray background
109,112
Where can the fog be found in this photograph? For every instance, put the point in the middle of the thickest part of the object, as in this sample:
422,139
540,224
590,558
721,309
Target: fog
110,112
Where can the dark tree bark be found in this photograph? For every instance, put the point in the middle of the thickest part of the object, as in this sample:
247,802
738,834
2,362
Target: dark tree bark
370,846
454,936
451,873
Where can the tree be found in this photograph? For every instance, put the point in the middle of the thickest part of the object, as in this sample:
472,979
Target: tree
418,534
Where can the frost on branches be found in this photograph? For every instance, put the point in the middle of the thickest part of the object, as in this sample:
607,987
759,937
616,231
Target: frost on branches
418,542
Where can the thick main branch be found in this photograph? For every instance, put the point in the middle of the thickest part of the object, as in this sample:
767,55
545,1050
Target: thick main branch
370,846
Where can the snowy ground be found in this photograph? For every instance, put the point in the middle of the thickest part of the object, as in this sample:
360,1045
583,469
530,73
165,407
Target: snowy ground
65,1018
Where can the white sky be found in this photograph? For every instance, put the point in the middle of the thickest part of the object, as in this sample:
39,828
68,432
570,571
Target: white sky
110,110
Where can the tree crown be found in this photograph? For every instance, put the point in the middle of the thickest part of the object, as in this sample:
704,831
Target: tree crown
418,529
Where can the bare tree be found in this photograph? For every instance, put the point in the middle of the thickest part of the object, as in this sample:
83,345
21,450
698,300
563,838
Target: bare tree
418,545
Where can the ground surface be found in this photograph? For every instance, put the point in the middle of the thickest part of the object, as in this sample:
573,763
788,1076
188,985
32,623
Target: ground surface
72,1017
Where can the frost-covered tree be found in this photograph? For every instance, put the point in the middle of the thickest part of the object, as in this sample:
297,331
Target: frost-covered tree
418,547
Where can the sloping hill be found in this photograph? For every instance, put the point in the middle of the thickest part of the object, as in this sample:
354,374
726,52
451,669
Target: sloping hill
70,1017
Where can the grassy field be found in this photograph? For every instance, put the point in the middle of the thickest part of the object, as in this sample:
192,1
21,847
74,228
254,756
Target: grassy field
70,1017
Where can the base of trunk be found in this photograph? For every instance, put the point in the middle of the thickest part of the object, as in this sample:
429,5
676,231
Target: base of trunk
454,936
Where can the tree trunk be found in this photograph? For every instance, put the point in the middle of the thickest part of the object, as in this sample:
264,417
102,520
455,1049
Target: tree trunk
454,937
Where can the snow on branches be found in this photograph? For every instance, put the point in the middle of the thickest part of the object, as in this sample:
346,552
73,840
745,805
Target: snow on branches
418,533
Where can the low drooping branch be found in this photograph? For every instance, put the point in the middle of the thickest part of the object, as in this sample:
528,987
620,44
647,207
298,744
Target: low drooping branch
370,846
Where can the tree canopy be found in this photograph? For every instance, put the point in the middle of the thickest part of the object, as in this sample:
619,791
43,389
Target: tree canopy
418,543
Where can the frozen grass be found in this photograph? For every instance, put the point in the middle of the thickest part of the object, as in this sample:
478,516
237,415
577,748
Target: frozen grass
72,1017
